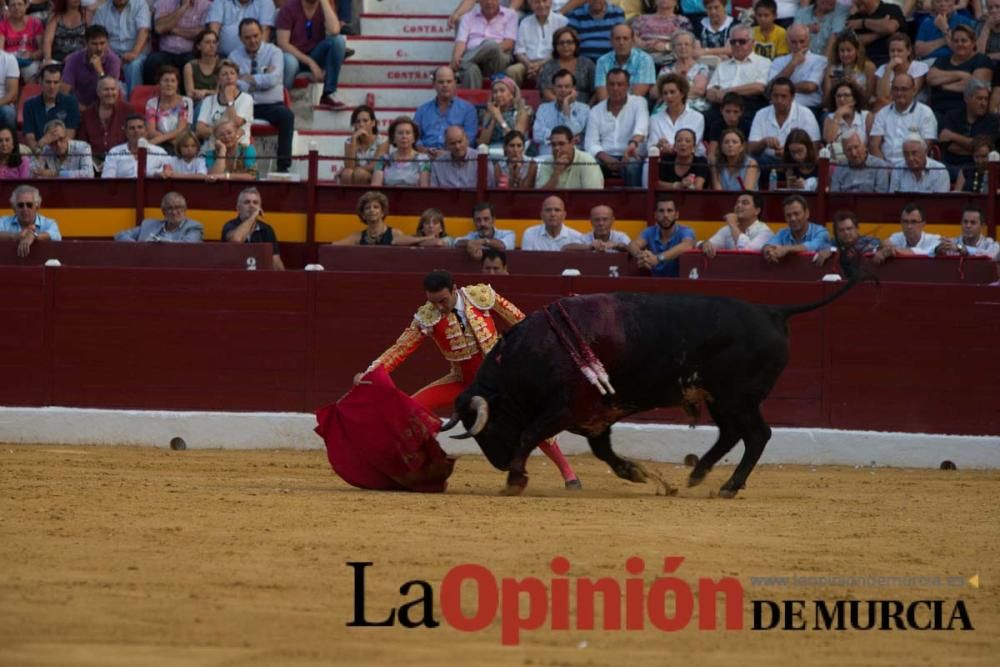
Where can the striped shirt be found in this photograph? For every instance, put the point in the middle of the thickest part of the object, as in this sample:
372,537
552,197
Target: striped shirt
595,33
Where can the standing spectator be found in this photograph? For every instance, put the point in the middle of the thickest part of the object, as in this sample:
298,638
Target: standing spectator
434,116
912,240
229,103
533,46
713,29
103,124
569,168
229,158
168,114
894,122
593,23
177,23
625,56
514,171
874,21
565,110
823,19
403,165
261,73
675,116
659,246
84,67
916,172
959,127
362,148
61,156
505,111
249,227
769,37
949,74
485,236
9,86
174,227
309,34
743,229
803,67
27,226
50,105
484,43
696,72
684,170
849,114
655,32
772,124
128,23
616,129
201,73
932,39
862,172
848,61
566,56
457,167
901,61
64,31
745,73
21,36
13,165
602,238
552,234
801,235
226,17
734,170
122,160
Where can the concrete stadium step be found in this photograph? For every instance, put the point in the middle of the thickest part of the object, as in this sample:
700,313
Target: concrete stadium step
405,25
402,48
389,71
329,144
384,96
339,120
408,6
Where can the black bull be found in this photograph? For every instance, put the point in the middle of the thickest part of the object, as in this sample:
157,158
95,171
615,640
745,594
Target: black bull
659,350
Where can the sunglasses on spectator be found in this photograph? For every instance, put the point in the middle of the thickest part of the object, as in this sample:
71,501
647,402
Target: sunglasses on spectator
26,204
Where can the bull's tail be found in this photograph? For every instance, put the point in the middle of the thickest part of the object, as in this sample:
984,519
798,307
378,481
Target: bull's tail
850,262
789,311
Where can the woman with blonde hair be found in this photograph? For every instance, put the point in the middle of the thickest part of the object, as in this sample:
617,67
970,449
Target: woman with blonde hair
505,111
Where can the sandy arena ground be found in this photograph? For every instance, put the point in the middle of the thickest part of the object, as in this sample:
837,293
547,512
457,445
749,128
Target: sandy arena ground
127,556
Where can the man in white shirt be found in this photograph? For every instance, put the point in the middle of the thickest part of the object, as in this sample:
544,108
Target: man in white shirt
565,110
744,73
973,241
121,161
916,172
743,229
772,124
802,66
533,47
616,128
905,116
10,75
552,234
913,240
602,238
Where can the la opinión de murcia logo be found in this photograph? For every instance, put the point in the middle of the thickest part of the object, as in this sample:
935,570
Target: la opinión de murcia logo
667,604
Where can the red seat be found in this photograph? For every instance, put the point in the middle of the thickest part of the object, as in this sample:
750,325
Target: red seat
139,97
531,97
28,90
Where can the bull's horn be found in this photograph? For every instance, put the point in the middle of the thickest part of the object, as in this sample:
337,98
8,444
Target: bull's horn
482,414
450,424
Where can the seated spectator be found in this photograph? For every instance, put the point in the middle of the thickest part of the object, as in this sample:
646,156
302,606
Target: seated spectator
676,116
563,110
689,67
494,262
861,171
744,73
435,116
83,68
654,32
803,67
514,171
103,124
569,168
602,238
988,31
593,23
228,102
362,148
457,167
800,235
13,165
262,69
931,40
64,31
229,158
402,165
734,170
128,23
625,56
168,114
713,29
743,229
772,124
959,127
309,34
373,209
769,37
552,234
201,73
658,247
484,42
823,19
178,24
122,160
912,240
9,86
916,172
533,45
566,56
849,115
505,111
175,227
973,242
465,6
50,105
901,61
188,161
431,228
225,19
873,21
895,122
61,156
848,61
949,75
848,238
27,226
616,129
799,157
21,36
730,117
485,236
249,227
975,178
684,170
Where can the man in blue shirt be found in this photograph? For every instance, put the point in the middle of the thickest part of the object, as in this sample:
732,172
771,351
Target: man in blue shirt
435,116
27,225
486,235
799,236
593,23
659,246
50,105
564,110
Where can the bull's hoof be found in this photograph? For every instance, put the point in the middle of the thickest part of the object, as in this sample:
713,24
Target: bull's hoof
574,485
516,484
632,472
696,477
511,490
726,492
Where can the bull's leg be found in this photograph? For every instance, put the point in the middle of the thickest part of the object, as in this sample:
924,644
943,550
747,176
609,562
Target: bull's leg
729,435
517,475
601,446
756,434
